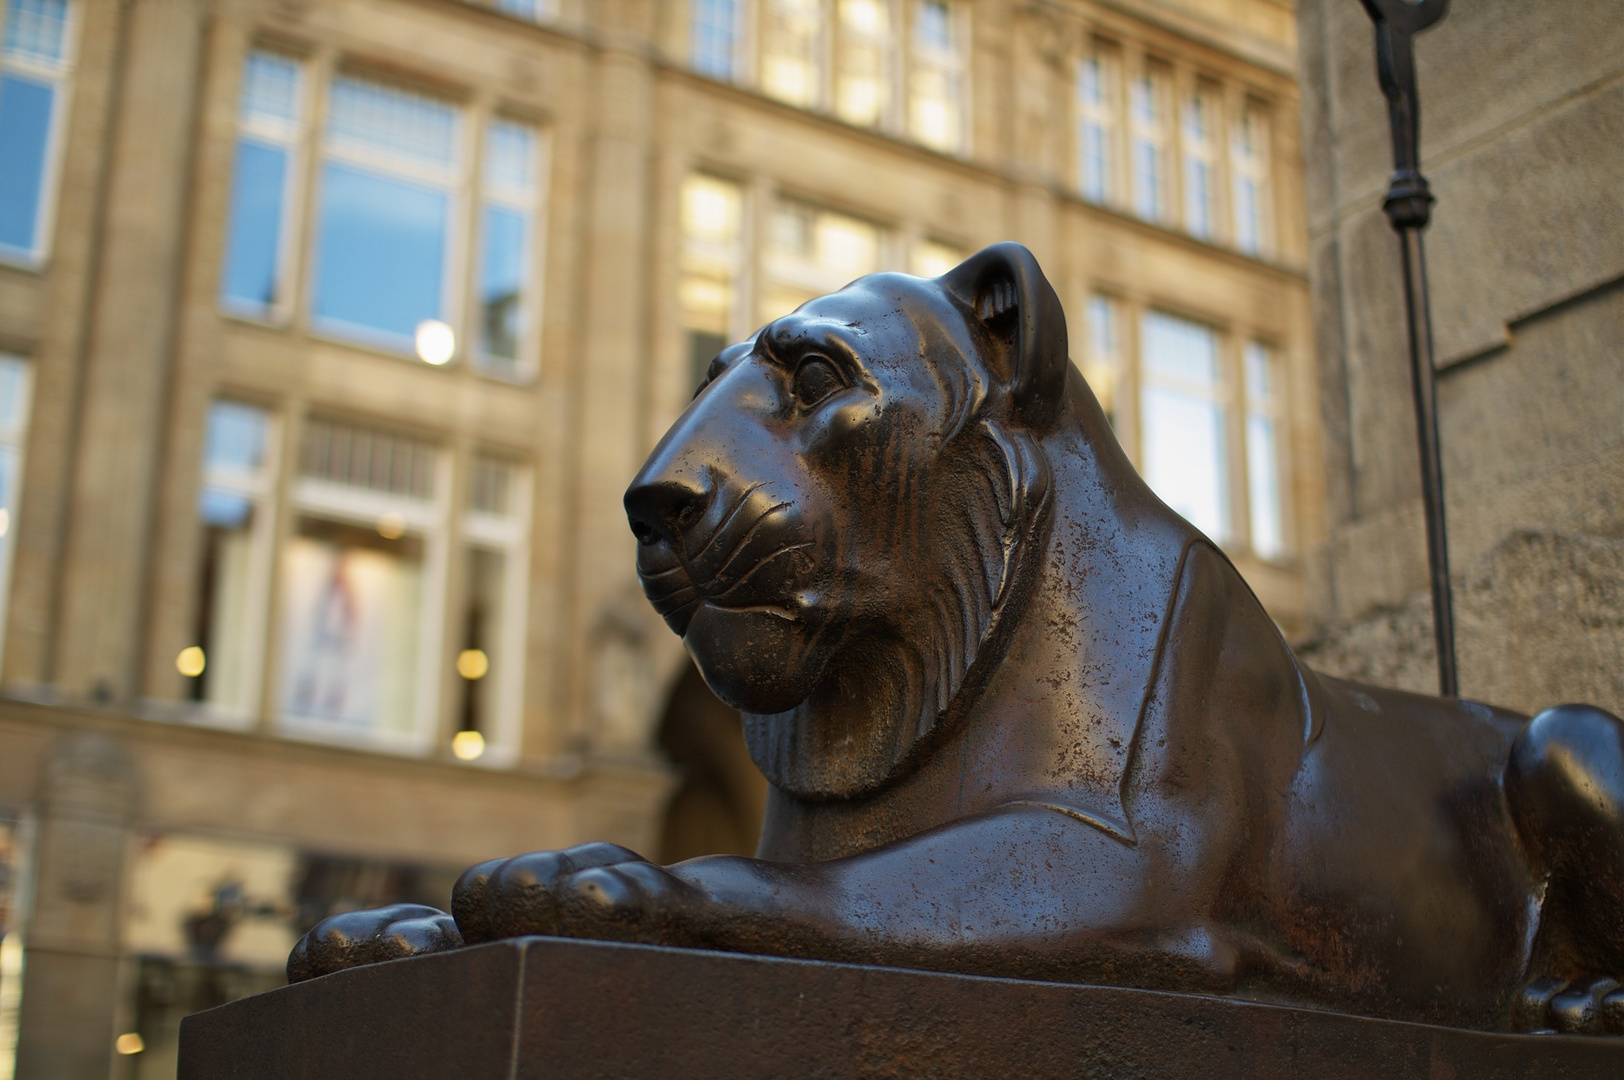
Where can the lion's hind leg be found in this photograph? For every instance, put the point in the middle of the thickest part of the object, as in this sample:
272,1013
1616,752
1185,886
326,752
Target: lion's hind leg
1564,781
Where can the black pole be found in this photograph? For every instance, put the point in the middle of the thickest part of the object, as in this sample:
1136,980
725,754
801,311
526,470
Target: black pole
1409,209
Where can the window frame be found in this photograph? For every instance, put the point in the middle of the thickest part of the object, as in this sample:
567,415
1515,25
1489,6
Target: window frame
1106,115
1154,132
1230,392
262,488
956,69
456,181
1105,360
1219,394
16,439
927,252
739,60
1271,408
533,206
347,504
61,79
1198,149
1257,166
703,258
541,11
296,143
509,536
890,54
820,65
778,267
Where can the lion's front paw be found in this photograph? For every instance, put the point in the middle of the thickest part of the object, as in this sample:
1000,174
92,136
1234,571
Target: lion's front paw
369,937
1592,1006
590,891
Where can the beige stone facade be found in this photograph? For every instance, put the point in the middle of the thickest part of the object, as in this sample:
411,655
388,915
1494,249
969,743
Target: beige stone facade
228,505
1521,113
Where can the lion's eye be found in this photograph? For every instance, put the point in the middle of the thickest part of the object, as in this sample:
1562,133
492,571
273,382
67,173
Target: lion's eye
815,380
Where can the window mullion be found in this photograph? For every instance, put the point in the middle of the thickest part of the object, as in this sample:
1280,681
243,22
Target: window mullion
1131,314
489,636
463,306
16,406
322,68
1236,408
1180,93
1224,162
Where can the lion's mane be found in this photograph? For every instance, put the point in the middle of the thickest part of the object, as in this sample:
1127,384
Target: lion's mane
886,699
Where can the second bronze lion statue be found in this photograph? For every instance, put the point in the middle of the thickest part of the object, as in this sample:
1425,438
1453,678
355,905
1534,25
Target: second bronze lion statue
1021,719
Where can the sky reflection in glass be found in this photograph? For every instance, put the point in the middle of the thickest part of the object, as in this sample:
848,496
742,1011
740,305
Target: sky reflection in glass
380,264
256,224
25,135
502,282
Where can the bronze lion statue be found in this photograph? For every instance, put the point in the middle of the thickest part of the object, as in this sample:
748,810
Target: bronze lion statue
1021,719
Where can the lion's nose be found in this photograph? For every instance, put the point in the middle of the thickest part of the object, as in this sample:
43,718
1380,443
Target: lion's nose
665,509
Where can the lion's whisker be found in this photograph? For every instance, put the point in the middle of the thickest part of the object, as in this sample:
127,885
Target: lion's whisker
786,549
727,518
744,541
717,536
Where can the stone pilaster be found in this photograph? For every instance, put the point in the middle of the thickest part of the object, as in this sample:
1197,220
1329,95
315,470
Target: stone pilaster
87,800
123,402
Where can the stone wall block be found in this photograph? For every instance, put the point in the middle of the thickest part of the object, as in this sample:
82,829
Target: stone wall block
1380,400
1531,219
1330,335
1319,181
1539,622
1531,437
1360,148
1529,54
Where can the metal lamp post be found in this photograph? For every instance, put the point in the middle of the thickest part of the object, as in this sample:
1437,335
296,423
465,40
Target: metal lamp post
1409,208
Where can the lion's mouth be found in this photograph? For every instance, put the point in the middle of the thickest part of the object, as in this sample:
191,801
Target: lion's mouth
737,558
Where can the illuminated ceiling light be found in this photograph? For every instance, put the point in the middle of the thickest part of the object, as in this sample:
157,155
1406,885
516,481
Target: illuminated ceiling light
129,1043
391,526
473,664
467,745
436,342
190,663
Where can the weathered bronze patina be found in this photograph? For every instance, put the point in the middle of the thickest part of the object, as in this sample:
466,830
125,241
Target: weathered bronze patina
1022,719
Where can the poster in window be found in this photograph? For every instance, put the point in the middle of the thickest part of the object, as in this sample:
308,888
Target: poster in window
349,655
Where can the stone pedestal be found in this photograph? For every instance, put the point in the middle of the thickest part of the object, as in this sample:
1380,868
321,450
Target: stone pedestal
545,1007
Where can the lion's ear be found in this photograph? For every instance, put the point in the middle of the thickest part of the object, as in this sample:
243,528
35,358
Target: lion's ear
1003,285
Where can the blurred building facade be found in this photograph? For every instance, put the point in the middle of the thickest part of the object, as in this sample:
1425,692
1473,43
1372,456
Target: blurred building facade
1522,139
332,330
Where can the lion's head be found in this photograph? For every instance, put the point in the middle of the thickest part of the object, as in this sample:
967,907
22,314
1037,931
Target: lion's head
839,523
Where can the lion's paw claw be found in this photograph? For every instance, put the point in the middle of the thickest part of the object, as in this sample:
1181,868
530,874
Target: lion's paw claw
355,938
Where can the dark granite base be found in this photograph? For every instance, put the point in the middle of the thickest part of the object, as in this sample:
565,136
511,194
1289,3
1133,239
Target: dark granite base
545,1007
